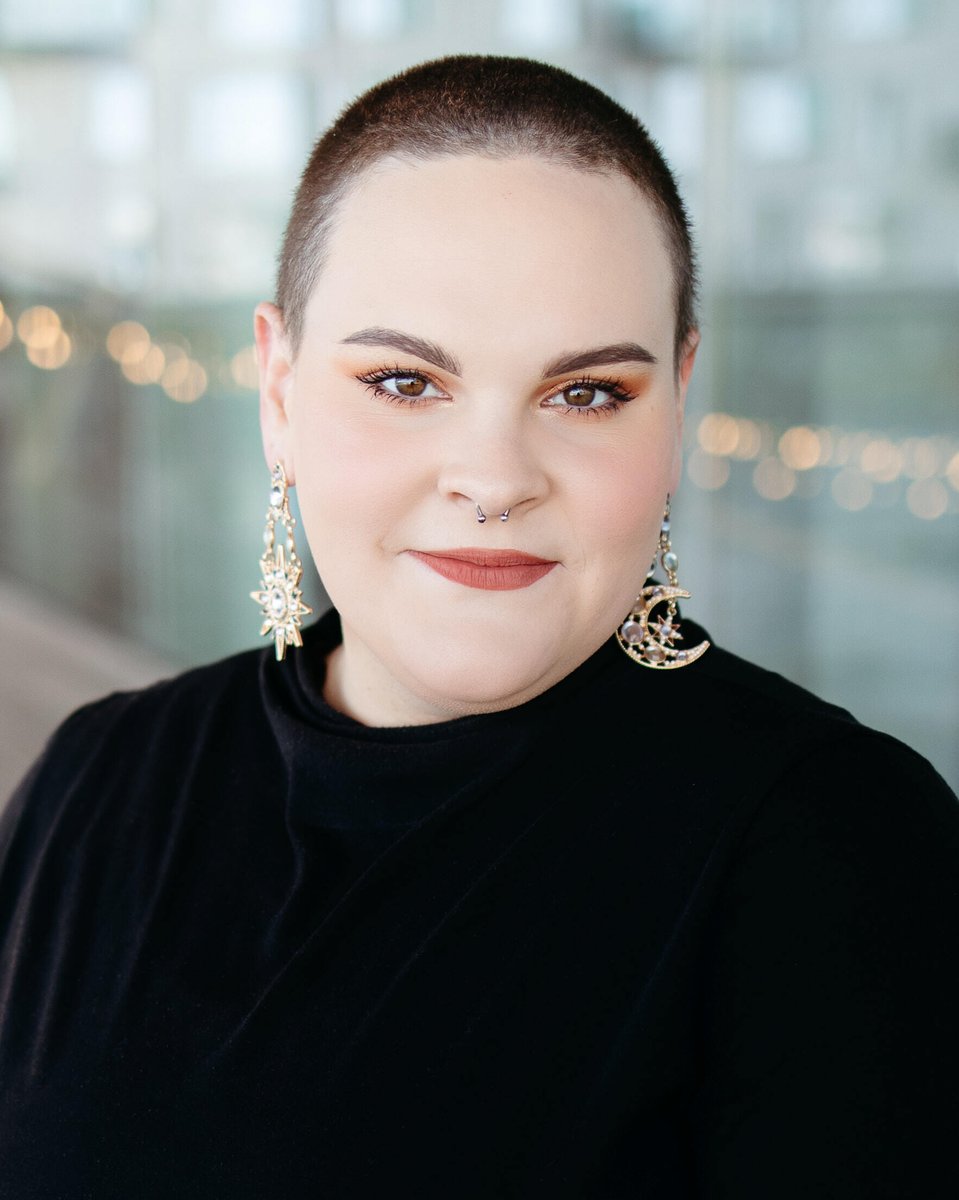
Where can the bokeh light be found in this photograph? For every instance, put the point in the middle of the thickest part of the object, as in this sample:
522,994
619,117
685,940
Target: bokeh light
39,327
881,460
921,457
773,480
189,381
51,357
800,448
146,367
176,367
952,471
718,433
6,329
128,342
243,368
749,439
927,498
847,448
851,490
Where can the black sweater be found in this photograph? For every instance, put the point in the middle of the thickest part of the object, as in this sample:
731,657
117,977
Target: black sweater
653,934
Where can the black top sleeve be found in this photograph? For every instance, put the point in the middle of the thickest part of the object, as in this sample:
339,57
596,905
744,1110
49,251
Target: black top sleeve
831,1007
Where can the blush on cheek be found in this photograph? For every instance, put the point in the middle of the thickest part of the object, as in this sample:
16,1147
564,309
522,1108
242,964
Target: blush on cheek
626,512
627,500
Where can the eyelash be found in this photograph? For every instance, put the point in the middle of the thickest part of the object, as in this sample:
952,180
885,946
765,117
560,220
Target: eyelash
618,395
375,378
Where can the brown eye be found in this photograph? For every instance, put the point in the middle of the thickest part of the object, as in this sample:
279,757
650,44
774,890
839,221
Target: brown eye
580,395
590,396
410,385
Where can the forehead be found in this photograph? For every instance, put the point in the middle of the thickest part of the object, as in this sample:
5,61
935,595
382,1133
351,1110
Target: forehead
498,246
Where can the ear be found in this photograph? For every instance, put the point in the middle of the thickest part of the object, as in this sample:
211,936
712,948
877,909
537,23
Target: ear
275,363
687,356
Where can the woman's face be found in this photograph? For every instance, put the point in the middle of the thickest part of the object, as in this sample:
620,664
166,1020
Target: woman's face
492,333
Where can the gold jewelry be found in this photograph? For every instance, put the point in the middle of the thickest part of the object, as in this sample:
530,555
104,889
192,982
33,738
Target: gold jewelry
650,643
279,596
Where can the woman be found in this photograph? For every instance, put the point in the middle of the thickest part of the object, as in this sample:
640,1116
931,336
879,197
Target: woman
450,896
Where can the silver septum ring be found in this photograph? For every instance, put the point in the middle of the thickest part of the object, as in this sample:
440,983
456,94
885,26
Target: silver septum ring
481,516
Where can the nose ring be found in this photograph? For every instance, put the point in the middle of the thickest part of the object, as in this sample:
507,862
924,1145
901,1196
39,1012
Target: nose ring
481,516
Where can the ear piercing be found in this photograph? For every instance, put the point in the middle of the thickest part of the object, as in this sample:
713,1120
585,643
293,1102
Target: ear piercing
649,642
279,595
481,516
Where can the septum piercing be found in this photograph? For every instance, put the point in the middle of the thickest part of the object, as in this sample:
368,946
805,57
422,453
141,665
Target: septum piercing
481,516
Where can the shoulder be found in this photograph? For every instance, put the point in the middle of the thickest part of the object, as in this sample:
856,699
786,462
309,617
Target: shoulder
730,727
765,750
110,747
194,699
743,691
836,795
838,753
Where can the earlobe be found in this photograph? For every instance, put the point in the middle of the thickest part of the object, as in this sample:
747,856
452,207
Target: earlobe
276,379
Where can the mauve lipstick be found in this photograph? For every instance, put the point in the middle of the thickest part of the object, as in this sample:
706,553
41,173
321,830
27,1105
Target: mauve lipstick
491,570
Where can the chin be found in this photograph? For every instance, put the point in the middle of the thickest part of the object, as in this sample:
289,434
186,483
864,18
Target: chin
457,675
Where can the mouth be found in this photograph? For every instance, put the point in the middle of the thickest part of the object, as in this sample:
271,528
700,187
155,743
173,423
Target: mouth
490,570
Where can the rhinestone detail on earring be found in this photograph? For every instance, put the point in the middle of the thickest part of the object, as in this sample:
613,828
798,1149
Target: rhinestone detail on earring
280,596
648,642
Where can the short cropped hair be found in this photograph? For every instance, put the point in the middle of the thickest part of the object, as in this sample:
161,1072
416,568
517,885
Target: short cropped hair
492,106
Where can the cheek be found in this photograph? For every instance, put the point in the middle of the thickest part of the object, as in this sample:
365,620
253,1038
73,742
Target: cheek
336,450
618,523
353,480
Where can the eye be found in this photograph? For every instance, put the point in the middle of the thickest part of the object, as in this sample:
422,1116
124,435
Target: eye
582,395
402,385
589,395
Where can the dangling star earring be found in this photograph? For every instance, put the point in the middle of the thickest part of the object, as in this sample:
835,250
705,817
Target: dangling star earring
650,643
279,596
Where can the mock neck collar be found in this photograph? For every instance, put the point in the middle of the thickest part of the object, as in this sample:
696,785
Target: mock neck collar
343,774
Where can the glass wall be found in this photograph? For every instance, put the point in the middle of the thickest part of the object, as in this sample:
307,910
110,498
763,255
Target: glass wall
147,156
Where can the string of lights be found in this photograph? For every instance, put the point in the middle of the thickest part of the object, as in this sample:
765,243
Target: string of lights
856,467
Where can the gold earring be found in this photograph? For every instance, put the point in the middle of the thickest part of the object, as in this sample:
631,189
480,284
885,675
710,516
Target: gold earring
280,596
650,643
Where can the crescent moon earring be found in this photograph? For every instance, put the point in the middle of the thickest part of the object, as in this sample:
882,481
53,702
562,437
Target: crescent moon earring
649,642
279,595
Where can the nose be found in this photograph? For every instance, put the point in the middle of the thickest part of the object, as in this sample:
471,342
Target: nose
493,472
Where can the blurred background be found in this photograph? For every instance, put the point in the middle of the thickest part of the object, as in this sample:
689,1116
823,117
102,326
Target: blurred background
148,152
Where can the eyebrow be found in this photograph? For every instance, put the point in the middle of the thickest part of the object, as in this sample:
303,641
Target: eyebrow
406,342
617,352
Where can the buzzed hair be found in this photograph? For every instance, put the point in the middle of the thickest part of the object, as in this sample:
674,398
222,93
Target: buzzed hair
492,106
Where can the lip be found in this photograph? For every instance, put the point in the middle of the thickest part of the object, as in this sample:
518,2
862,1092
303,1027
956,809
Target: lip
489,570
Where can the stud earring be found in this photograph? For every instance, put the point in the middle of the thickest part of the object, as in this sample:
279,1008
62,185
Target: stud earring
648,642
280,596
